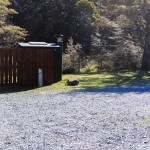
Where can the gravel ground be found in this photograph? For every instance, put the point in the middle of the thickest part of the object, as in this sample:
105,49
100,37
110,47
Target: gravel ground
98,119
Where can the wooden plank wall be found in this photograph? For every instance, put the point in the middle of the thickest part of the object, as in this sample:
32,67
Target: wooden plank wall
20,66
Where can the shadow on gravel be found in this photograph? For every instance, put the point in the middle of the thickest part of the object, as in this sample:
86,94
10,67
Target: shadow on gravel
139,88
6,90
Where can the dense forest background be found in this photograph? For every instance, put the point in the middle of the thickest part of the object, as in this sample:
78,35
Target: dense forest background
98,34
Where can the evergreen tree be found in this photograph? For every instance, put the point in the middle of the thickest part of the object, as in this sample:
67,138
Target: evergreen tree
9,34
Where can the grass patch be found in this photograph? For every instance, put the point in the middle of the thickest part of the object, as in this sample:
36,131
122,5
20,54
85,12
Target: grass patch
99,80
91,80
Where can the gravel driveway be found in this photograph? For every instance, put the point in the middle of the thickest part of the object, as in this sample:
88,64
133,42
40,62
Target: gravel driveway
99,119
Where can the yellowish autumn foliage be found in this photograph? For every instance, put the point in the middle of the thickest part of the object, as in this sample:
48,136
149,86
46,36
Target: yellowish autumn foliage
9,34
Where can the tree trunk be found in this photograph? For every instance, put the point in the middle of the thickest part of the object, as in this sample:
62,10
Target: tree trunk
146,58
146,54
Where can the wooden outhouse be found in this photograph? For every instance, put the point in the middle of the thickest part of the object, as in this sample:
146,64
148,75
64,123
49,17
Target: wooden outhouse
20,66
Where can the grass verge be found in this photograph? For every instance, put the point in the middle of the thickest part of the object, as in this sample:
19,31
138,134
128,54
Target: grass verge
99,80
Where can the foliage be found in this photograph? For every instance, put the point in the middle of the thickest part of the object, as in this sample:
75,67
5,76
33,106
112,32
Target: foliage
72,57
45,18
9,34
89,80
103,28
90,67
120,38
86,7
99,80
127,56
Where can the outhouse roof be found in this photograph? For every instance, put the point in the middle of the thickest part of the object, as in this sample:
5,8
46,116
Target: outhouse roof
39,44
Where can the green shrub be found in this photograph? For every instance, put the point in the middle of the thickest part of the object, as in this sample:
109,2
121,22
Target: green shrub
91,67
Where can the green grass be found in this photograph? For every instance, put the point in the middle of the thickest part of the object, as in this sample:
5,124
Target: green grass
99,80
93,80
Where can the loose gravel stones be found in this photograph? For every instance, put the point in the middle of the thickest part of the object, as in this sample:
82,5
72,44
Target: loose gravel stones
116,118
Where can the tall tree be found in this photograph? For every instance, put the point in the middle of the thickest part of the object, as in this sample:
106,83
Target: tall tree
120,30
44,18
145,9
9,34
102,27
